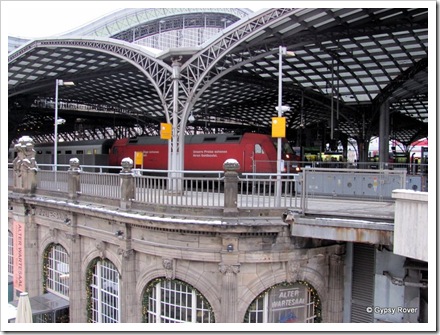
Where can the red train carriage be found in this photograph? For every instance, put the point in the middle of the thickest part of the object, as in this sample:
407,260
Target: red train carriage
207,152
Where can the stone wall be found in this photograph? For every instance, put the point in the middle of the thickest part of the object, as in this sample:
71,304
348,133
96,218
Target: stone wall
230,266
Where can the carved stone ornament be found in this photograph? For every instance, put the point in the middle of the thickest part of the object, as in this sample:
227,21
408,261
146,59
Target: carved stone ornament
294,272
229,269
74,164
100,245
168,265
125,253
72,237
53,232
127,165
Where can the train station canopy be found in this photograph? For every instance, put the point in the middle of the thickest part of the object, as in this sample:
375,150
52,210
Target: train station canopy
341,66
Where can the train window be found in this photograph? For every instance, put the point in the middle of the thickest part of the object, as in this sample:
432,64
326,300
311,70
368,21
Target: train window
95,151
287,148
79,152
258,149
89,152
48,152
68,152
232,138
209,139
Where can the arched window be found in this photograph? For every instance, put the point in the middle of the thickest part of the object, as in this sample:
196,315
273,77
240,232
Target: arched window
286,303
103,292
56,270
173,301
10,253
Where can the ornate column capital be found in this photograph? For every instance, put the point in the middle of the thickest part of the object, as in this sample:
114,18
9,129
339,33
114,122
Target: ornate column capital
229,268
125,252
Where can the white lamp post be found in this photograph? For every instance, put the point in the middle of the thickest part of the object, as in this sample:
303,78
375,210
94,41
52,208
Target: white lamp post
58,82
281,109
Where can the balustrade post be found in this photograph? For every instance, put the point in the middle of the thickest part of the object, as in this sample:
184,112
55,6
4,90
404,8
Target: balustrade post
127,183
73,184
231,167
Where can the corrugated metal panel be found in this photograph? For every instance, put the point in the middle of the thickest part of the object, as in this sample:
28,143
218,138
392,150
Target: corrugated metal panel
362,295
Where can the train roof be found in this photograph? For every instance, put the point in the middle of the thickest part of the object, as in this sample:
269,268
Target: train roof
77,143
197,139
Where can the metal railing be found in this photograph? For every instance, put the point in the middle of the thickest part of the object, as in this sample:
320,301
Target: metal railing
254,190
410,168
52,181
258,190
105,185
196,191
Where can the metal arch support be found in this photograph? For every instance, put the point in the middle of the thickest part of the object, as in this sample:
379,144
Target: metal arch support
211,80
157,72
197,71
197,67
387,92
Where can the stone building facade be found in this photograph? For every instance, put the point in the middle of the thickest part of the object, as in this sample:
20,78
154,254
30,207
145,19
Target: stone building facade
229,260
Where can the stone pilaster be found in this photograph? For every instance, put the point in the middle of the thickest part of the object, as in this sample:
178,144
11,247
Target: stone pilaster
130,304
77,293
229,292
335,289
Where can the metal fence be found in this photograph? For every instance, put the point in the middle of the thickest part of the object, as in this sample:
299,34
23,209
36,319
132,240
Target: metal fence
52,181
259,190
192,191
104,185
254,190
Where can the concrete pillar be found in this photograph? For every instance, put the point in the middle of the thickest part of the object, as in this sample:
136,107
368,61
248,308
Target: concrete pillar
73,183
335,301
127,183
231,166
